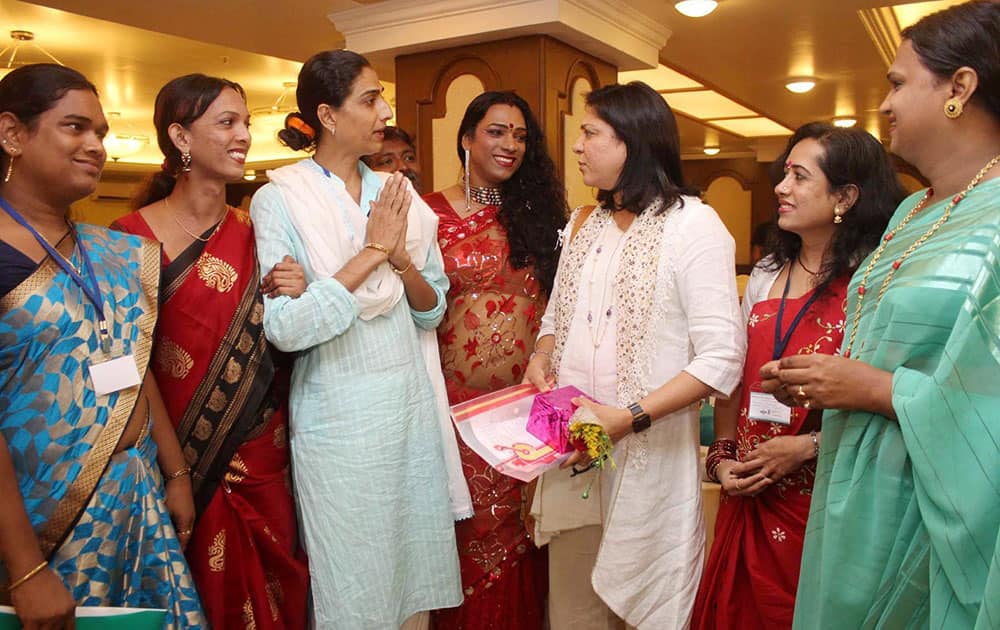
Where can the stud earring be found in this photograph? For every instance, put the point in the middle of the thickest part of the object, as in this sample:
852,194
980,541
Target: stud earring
836,215
953,108
185,162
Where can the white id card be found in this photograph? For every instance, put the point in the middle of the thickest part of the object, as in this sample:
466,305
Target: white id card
767,408
114,375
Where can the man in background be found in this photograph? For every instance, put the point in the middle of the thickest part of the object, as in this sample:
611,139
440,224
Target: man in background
398,154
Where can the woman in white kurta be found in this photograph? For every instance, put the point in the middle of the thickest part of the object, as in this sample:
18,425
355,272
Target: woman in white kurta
368,450
644,317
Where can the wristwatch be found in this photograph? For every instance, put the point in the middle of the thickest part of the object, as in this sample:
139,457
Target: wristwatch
640,419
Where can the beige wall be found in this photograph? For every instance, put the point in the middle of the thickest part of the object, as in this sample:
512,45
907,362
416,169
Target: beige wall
111,200
447,168
577,194
734,205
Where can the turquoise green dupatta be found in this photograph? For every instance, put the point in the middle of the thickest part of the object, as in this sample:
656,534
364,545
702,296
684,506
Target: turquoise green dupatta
903,530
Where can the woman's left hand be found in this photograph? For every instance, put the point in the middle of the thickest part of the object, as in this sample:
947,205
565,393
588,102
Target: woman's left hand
617,422
180,505
777,457
285,278
823,381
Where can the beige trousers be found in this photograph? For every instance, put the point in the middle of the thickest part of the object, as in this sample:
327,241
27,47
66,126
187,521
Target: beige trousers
573,604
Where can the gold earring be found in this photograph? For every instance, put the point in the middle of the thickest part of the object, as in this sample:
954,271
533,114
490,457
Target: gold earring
836,215
10,170
953,108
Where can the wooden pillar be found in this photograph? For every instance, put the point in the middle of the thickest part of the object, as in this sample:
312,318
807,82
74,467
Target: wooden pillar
539,68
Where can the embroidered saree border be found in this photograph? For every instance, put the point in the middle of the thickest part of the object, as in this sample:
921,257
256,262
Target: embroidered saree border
78,495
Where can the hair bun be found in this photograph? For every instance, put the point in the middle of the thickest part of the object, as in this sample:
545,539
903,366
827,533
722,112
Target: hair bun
297,134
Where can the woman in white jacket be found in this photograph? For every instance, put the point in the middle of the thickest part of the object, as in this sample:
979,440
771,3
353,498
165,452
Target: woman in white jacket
644,318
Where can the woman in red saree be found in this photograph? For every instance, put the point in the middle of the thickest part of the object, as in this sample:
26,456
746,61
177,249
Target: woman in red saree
498,236
837,192
225,389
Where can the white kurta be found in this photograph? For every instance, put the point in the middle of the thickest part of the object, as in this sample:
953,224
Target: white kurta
651,554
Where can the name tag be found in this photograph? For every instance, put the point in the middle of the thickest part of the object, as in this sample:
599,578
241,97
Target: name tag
114,375
767,408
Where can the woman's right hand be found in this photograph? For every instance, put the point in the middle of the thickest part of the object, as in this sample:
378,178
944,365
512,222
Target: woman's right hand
43,603
739,479
388,217
539,373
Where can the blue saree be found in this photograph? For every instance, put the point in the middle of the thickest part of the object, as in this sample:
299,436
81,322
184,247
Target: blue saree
99,516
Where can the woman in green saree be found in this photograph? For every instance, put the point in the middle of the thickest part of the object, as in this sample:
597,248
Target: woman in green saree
906,507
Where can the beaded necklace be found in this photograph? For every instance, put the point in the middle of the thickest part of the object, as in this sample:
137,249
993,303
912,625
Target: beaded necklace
913,247
485,195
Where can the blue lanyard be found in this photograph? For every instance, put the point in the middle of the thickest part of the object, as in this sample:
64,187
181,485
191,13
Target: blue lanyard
92,291
781,342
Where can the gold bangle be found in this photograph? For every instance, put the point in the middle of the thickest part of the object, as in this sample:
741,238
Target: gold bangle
403,270
27,576
178,474
379,246
543,352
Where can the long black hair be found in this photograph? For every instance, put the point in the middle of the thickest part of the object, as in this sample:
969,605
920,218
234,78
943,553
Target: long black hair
325,78
850,157
182,100
646,124
30,91
534,200
967,34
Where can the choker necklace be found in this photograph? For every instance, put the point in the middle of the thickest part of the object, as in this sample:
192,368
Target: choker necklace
196,237
485,195
896,264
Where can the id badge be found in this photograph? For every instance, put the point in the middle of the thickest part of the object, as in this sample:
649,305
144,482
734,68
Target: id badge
114,375
766,408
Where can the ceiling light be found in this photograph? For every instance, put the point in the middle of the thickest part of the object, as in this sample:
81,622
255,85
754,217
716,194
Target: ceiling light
118,146
23,39
250,175
695,8
800,85
844,121
711,150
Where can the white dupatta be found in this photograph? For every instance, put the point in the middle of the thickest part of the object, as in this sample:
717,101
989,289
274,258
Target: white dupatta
332,228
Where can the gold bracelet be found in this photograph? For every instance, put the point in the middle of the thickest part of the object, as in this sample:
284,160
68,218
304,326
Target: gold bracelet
380,247
404,269
27,576
532,355
177,474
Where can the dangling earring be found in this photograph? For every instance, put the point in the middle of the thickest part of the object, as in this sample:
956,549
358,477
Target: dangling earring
953,108
836,215
468,192
10,168
185,162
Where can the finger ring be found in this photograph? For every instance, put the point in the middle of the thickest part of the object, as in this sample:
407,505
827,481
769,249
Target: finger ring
806,403
739,486
184,532
801,393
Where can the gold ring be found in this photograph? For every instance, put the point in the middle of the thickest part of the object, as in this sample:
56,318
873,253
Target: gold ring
739,486
801,393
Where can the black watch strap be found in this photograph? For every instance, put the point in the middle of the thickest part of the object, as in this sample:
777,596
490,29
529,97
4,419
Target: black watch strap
640,419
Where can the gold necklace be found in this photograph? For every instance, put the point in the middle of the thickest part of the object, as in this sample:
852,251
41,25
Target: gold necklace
896,264
218,222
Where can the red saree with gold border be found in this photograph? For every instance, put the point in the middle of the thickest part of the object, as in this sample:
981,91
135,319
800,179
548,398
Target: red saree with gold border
227,397
494,312
753,569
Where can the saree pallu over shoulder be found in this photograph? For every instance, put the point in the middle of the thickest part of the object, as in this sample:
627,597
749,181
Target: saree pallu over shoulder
905,514
213,365
60,433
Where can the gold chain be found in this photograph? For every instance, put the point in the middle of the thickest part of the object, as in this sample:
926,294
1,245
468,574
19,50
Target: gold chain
218,223
896,264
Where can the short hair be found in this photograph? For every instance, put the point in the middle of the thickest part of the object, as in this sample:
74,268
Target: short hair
964,35
397,133
642,120
30,91
850,157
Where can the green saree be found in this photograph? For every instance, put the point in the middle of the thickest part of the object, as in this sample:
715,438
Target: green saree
905,515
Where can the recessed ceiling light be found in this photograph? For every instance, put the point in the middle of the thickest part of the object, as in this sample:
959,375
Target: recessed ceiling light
695,8
250,175
800,85
844,121
711,150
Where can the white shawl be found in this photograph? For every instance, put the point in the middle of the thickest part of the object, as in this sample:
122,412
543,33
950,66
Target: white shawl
332,228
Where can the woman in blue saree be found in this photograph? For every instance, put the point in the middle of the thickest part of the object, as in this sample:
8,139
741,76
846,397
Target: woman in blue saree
84,521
